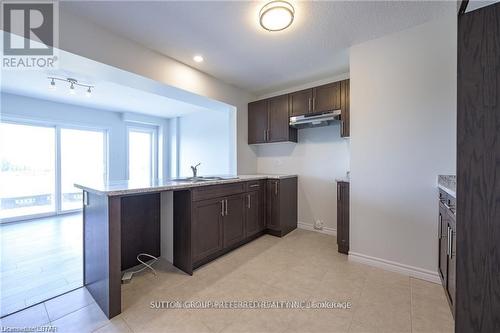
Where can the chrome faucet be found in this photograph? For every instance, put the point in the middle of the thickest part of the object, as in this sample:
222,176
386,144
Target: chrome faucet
195,170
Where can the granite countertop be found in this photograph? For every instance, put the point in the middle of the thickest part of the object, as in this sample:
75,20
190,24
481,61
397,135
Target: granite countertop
127,187
342,179
448,183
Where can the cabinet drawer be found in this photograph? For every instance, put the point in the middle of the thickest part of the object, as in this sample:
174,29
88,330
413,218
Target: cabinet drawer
255,185
215,191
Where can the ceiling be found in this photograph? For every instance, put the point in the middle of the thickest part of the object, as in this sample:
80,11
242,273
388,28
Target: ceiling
114,89
108,96
239,52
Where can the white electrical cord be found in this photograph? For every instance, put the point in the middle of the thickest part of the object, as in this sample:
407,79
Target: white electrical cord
128,275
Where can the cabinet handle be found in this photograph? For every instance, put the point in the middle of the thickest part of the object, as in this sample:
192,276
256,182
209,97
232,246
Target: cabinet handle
276,188
222,208
254,185
309,103
451,243
440,225
265,135
448,239
226,207
314,103
248,201
85,198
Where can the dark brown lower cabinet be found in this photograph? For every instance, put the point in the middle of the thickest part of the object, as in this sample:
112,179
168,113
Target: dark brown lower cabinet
452,264
254,219
443,244
281,206
447,261
233,219
207,228
212,220
343,217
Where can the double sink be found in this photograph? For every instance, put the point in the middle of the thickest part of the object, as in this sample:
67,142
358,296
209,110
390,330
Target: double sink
202,179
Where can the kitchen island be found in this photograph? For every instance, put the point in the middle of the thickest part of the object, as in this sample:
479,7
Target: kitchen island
204,220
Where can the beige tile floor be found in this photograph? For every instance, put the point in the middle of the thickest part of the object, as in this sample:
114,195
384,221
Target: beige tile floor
301,266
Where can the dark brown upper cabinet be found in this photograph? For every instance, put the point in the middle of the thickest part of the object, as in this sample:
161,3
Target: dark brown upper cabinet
345,115
315,100
268,121
326,97
257,122
301,102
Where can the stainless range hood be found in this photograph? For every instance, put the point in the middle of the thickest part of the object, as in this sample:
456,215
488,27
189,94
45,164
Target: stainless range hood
315,120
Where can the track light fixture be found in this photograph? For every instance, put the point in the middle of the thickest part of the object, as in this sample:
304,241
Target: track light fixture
72,85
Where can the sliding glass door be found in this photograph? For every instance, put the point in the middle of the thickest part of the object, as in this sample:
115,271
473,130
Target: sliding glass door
83,160
28,170
40,164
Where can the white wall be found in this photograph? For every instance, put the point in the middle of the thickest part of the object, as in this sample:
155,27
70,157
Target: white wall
319,157
403,134
85,38
205,137
16,107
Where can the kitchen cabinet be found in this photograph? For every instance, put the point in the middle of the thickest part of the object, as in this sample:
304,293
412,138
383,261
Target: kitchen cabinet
279,129
207,228
301,102
214,219
343,217
233,219
452,263
326,97
268,121
316,100
254,219
257,122
281,205
447,246
345,104
443,241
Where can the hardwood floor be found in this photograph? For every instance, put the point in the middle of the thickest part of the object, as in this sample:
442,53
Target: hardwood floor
39,259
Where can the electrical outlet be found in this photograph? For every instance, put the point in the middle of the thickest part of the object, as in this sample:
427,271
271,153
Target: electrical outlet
318,224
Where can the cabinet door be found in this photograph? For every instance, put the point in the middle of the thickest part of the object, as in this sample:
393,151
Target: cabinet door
254,219
257,122
345,108
207,228
452,264
234,220
343,217
273,205
301,102
443,244
278,119
326,97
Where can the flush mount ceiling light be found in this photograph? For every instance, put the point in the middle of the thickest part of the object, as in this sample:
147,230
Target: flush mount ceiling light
72,85
276,15
198,58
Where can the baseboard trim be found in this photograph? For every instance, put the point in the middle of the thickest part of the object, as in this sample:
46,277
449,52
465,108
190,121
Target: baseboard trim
392,266
310,227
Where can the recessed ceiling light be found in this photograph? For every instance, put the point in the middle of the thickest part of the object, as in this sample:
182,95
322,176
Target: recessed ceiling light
276,15
198,58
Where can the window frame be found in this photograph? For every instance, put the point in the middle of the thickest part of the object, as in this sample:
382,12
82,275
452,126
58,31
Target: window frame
57,126
154,132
